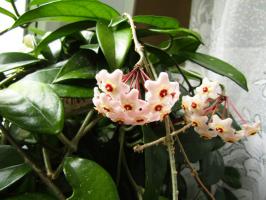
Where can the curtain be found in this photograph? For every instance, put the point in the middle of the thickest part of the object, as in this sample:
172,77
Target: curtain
235,31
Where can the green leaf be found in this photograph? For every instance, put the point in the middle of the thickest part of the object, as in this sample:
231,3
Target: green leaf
10,175
33,106
32,196
117,20
218,66
63,31
89,180
212,168
93,47
180,44
78,66
9,156
157,21
155,165
71,10
14,60
38,2
7,13
114,43
232,177
47,77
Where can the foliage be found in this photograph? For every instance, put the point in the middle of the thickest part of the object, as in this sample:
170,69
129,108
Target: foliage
45,97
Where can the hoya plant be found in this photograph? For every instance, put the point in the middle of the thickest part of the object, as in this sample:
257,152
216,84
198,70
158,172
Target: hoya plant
93,111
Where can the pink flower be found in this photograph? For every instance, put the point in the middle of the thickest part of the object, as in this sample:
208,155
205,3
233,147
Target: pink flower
162,89
221,126
233,137
195,104
210,89
124,106
111,83
251,129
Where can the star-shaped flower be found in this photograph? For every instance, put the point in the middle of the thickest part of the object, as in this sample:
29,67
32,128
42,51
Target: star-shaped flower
221,126
111,83
210,89
162,89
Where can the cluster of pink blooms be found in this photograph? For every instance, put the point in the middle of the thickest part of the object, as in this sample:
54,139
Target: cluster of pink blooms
207,110
118,96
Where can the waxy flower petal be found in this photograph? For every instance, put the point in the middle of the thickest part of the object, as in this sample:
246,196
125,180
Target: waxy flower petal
210,89
221,126
124,106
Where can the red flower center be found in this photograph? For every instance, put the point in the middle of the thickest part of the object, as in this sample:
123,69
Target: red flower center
128,107
106,109
220,130
205,89
109,87
120,122
163,93
158,108
194,124
194,105
140,120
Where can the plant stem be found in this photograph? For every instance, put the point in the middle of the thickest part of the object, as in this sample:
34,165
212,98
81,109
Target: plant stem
66,142
190,87
171,153
193,171
34,167
10,78
81,130
140,148
47,162
138,47
136,187
15,8
72,146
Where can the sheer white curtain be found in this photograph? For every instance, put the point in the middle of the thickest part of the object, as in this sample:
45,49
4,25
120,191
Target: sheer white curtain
235,31
12,40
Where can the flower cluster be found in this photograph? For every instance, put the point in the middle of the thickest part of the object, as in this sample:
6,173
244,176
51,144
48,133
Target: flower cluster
118,96
207,112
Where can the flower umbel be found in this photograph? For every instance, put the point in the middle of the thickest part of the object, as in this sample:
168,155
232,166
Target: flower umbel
118,96
208,113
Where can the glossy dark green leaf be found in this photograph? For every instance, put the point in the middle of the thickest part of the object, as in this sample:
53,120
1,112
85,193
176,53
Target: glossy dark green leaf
14,60
9,156
33,106
89,180
39,2
48,75
7,13
117,20
155,165
218,66
32,196
93,47
211,168
63,31
180,44
224,194
78,66
232,177
71,10
200,147
114,43
10,175
157,21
